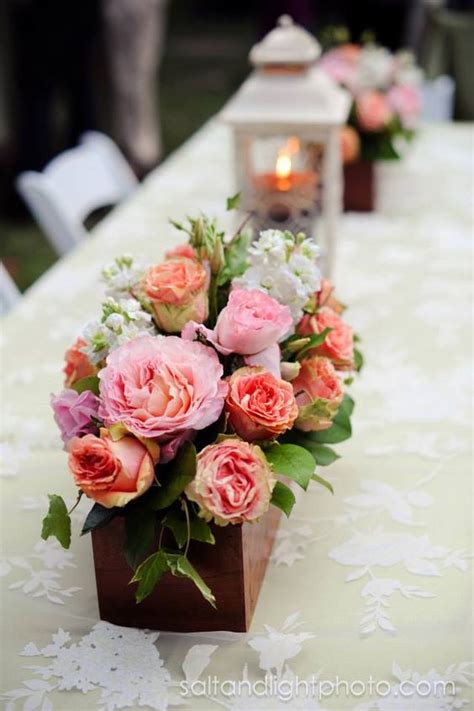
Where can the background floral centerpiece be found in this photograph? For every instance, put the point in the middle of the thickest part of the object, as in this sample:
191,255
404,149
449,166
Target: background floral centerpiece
209,381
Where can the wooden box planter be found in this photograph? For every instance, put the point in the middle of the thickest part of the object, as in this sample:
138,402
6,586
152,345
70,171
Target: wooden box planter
359,187
233,568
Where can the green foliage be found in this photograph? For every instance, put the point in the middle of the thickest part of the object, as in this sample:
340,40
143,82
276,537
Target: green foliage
199,530
155,566
323,482
358,359
340,430
90,383
235,258
233,202
316,339
291,461
140,529
283,498
175,477
97,517
57,521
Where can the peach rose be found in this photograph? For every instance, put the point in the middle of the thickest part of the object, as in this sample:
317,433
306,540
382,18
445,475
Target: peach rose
161,386
338,345
350,144
111,472
78,365
325,297
318,393
373,111
182,250
233,482
177,290
259,405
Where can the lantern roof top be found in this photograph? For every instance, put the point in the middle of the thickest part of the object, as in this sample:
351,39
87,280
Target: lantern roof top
285,44
307,100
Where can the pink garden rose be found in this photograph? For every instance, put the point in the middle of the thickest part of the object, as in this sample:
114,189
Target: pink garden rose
233,482
373,111
73,413
259,405
77,365
161,386
406,102
111,472
318,393
340,63
338,345
177,290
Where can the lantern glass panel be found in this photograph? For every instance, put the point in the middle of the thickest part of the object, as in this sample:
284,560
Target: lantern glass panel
284,183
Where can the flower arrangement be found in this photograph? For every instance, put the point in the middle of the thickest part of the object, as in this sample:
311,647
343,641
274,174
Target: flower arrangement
208,379
386,98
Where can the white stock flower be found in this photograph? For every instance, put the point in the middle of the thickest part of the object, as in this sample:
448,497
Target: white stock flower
284,266
374,69
406,70
122,276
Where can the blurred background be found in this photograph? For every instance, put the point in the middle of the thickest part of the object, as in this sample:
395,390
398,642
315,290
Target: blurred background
149,73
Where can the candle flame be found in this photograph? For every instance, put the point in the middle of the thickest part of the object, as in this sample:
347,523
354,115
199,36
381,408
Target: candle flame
283,166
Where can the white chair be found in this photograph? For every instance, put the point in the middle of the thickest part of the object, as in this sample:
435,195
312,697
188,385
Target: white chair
9,293
74,184
438,99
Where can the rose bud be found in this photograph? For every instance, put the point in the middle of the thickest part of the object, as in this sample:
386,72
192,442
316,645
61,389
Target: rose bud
338,345
112,472
325,297
185,251
177,290
233,482
77,365
318,393
259,405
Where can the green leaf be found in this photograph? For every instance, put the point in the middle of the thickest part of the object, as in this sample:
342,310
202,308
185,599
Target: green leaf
233,202
97,517
175,520
316,339
291,461
323,482
358,359
179,473
235,255
340,431
181,567
140,524
57,521
90,383
149,573
323,455
347,405
283,498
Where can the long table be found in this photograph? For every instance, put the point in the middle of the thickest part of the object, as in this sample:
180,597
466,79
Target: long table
371,587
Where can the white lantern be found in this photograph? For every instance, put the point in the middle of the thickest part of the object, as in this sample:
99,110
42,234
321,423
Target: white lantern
286,121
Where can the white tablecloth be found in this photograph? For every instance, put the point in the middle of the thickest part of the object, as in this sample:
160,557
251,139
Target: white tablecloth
373,582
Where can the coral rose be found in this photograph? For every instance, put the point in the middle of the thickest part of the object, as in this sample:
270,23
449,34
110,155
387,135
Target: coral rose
233,482
73,413
177,290
318,393
373,111
350,144
338,345
251,322
182,250
111,472
77,365
259,405
161,386
325,297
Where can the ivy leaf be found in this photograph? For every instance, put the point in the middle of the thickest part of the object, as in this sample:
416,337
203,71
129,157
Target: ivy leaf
97,517
149,573
199,530
323,482
358,359
139,533
90,383
57,521
181,567
291,461
340,430
179,473
233,202
283,498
